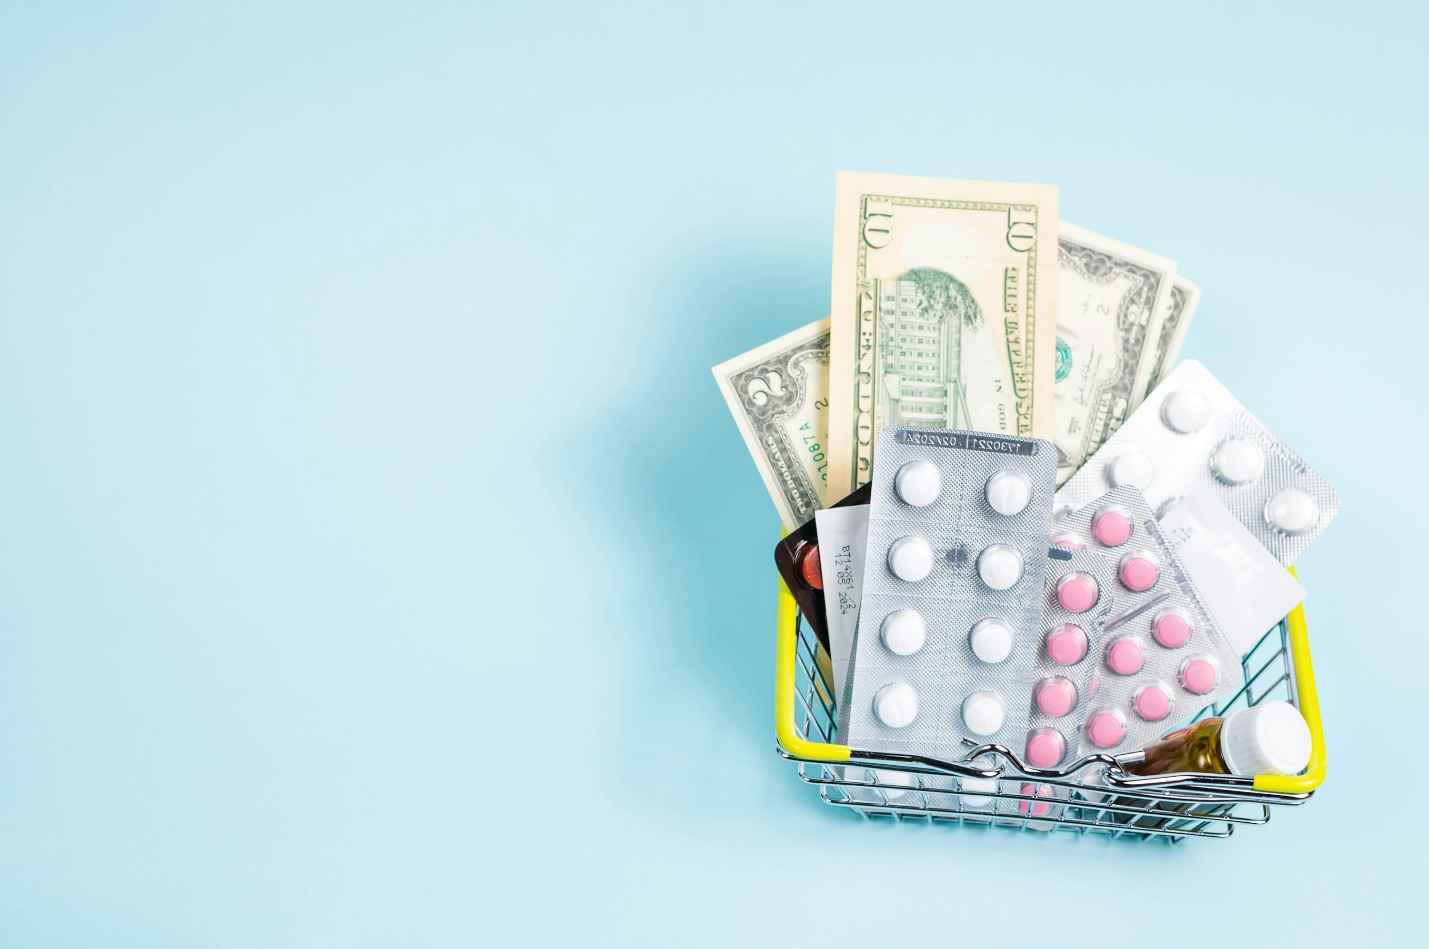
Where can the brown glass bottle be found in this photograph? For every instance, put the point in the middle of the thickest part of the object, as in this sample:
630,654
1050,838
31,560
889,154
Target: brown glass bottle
1267,738
1193,748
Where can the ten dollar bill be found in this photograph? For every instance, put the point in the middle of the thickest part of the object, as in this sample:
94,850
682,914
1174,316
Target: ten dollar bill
944,312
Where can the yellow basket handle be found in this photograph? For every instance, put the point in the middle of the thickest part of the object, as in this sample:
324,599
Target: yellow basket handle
1309,701
784,690
797,746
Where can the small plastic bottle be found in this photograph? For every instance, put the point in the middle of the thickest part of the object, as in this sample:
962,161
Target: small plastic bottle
1269,738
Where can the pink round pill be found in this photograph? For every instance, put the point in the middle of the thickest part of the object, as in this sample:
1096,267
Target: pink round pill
1105,729
1139,572
1035,808
1067,645
1151,703
1077,591
1111,526
1045,747
1198,676
1055,696
1171,629
1124,657
1066,540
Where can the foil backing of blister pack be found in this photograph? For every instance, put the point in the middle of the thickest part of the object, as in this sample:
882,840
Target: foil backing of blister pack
1060,626
1181,462
958,525
1134,614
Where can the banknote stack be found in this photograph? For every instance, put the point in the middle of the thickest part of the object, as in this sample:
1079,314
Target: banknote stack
963,305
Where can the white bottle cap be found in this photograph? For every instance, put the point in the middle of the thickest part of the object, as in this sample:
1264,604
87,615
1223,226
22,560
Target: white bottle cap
991,639
1000,566
1008,491
904,632
1132,469
1292,511
896,704
1186,411
918,483
910,558
983,713
1238,461
1269,738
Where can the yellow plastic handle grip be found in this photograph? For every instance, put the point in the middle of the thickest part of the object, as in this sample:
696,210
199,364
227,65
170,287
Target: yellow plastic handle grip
1309,702
788,641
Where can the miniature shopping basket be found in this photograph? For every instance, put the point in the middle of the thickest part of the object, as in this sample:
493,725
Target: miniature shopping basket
991,786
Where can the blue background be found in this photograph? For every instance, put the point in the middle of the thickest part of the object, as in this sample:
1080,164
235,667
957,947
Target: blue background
379,565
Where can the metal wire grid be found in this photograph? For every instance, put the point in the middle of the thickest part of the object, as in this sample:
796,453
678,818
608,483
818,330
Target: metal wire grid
1085,802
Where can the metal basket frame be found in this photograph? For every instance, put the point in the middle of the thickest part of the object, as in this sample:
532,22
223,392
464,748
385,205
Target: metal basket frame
1093,795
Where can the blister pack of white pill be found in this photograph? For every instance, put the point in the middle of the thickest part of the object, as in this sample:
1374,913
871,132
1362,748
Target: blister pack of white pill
1191,433
1164,657
1076,603
952,581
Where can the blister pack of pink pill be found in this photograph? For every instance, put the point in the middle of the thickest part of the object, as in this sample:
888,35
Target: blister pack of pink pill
1076,603
1164,657
1192,433
950,613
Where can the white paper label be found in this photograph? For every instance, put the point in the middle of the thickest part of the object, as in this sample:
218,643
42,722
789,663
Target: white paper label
1244,586
843,538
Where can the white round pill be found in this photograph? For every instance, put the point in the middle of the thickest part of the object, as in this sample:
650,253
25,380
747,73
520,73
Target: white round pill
918,483
896,704
1292,511
991,639
1131,469
1000,566
1008,491
1186,411
910,558
903,632
984,788
983,713
1238,461
896,785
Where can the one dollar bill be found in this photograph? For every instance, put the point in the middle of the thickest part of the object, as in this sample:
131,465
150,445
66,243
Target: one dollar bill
1111,298
1172,333
944,312
778,395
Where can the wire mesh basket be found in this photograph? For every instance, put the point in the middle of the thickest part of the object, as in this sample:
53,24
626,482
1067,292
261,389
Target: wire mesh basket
991,786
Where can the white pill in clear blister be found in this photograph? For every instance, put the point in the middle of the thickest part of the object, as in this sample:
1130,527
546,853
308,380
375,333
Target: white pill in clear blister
918,483
1008,491
904,632
910,558
1237,461
983,713
991,639
1292,511
1000,566
1186,411
984,788
896,704
896,785
1131,469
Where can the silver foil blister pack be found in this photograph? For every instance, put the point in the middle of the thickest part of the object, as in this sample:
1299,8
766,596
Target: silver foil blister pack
1192,433
949,619
1163,656
1076,603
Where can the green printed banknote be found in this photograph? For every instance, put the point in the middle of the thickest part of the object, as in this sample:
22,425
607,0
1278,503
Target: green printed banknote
944,312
